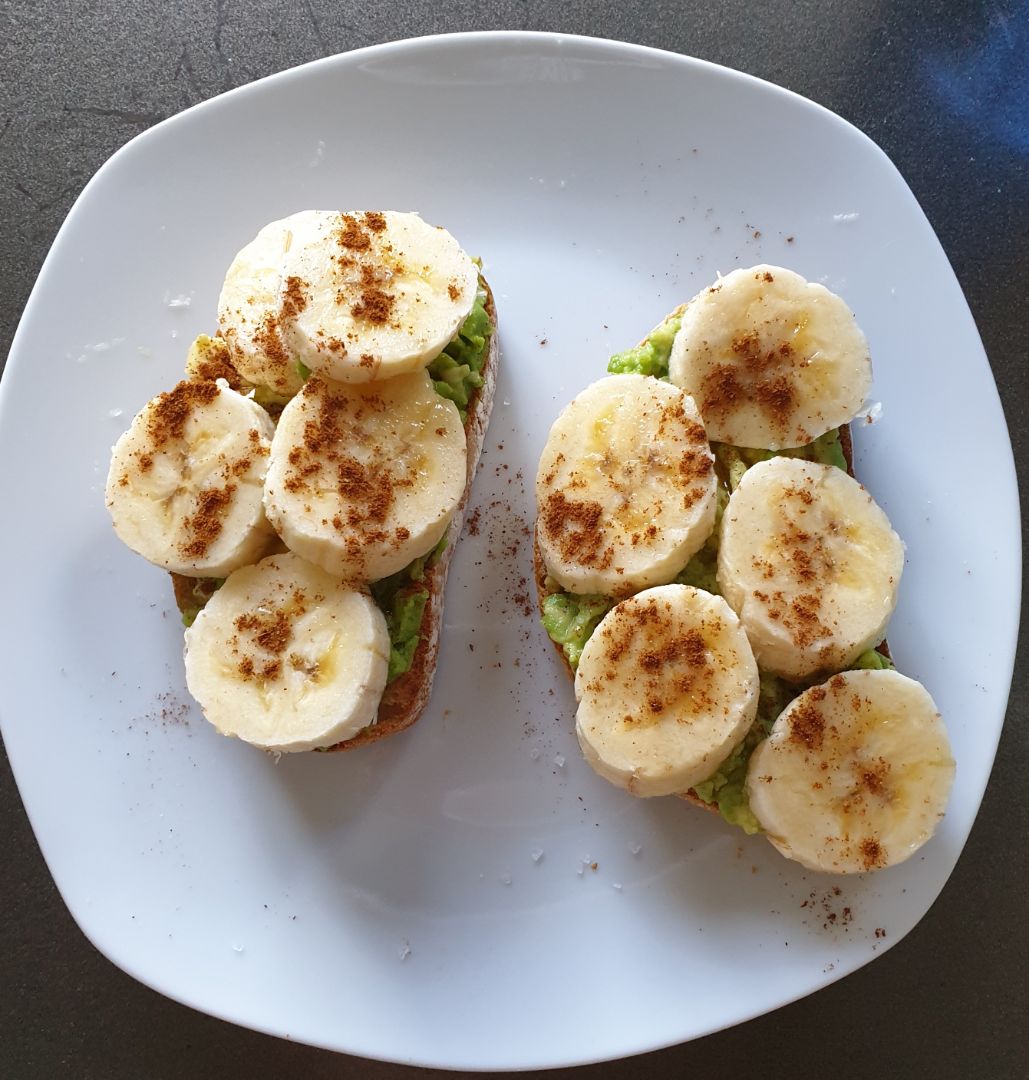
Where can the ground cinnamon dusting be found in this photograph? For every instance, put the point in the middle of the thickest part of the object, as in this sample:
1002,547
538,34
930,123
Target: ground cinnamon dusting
777,397
294,299
350,234
721,389
375,306
577,529
205,524
807,726
755,373
166,421
272,631
873,777
268,339
872,854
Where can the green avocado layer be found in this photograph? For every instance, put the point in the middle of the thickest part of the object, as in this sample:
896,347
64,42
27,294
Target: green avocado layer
402,598
457,371
651,357
570,620
202,591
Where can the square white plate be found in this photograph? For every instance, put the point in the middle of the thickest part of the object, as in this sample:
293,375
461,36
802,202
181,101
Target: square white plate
394,902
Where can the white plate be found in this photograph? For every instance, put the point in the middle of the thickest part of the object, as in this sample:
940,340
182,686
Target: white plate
388,902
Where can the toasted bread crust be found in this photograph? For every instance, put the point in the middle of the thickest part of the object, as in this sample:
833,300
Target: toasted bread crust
408,694
542,592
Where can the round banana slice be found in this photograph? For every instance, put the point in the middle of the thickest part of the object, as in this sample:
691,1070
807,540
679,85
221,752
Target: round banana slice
667,686
772,360
855,775
626,487
185,484
364,478
810,564
287,658
371,295
250,315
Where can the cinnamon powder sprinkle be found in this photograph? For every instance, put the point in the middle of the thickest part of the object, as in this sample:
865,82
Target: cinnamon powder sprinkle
268,339
757,374
351,235
205,524
577,529
873,777
272,632
167,419
375,306
872,854
777,397
375,220
807,726
721,389
294,299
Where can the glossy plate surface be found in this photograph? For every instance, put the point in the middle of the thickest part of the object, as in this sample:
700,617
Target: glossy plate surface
470,894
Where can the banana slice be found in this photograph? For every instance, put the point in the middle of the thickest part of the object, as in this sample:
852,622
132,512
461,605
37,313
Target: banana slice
810,564
185,484
250,315
667,686
855,774
372,295
363,478
287,658
626,487
772,360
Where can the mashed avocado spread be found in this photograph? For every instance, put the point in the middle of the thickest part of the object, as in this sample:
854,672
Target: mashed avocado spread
570,620
457,371
457,374
402,598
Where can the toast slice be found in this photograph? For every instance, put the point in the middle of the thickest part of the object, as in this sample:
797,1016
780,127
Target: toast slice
406,696
542,590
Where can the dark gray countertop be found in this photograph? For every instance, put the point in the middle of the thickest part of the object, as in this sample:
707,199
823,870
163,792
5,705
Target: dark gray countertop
947,97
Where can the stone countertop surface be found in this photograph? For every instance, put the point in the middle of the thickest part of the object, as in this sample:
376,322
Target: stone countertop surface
944,90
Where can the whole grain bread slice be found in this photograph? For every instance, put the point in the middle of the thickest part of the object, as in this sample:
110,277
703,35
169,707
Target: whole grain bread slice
406,696
543,591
